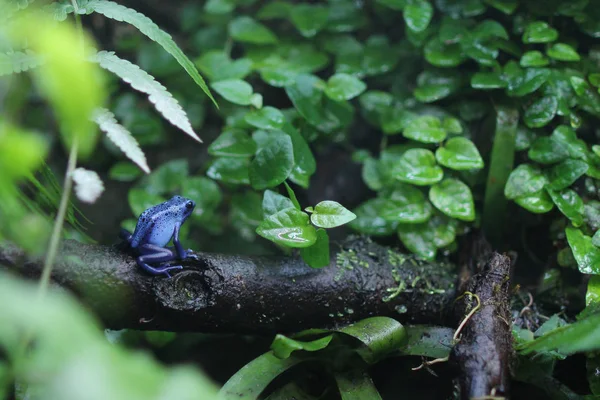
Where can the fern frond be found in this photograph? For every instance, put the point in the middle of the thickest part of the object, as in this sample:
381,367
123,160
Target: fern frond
59,10
8,8
120,137
140,80
18,61
145,25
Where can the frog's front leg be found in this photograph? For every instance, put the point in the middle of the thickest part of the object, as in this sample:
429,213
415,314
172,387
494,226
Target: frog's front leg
150,253
179,248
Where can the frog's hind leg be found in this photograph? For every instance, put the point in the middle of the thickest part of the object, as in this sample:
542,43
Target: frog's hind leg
150,253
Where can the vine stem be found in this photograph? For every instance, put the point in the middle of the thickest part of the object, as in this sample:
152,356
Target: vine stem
58,222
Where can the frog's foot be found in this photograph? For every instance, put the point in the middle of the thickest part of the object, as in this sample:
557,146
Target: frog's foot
189,253
155,254
125,235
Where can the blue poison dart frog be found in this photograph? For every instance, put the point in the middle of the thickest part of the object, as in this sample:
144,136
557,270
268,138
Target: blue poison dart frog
155,228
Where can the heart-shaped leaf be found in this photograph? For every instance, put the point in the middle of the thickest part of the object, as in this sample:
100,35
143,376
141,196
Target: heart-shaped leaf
541,112
245,29
419,239
317,255
229,170
342,87
369,220
418,166
273,163
288,227
570,204
417,15
405,204
274,202
525,180
563,52
533,58
425,129
309,19
330,214
453,198
537,203
563,175
547,150
459,154
236,91
586,254
266,118
539,32
233,143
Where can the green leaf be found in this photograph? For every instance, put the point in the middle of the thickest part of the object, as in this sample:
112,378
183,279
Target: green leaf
235,91
428,341
563,52
369,220
576,337
292,195
539,32
306,97
272,164
167,178
419,239
121,137
547,150
418,166
417,15
274,202
425,129
205,192
218,66
342,87
522,82
566,173
459,154
567,138
570,204
406,204
586,254
282,346
14,62
443,55
140,80
233,143
524,138
487,81
330,214
541,112
356,385
288,227
145,25
596,239
436,85
453,198
266,118
444,230
124,172
247,30
253,378
533,58
523,181
230,170
140,200
317,255
309,19
537,203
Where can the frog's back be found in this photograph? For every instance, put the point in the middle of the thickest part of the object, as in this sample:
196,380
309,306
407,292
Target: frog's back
151,227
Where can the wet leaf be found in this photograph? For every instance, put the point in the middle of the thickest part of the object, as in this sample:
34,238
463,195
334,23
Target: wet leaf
233,143
563,52
570,204
425,129
406,204
459,154
586,254
272,164
266,118
419,239
317,255
331,214
537,203
524,180
418,14
342,87
235,91
369,220
533,58
539,32
309,19
274,202
230,170
547,150
453,198
418,166
563,175
541,112
246,29
288,227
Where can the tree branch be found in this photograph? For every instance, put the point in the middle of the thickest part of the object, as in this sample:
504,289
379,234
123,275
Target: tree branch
228,293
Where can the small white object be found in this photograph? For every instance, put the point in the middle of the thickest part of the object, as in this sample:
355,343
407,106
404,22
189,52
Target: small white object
88,185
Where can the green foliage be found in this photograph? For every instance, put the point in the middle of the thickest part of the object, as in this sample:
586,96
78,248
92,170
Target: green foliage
70,349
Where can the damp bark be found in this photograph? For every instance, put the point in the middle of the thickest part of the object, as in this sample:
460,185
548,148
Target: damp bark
237,294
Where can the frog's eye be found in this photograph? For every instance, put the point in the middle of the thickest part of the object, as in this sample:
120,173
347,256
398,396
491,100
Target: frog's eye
189,205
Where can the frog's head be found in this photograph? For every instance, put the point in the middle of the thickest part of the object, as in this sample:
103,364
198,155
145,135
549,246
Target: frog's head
183,207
